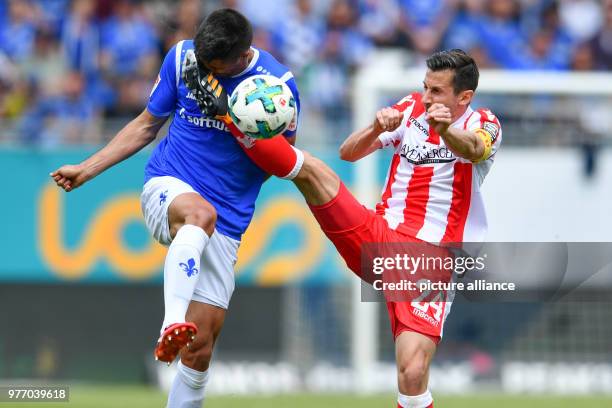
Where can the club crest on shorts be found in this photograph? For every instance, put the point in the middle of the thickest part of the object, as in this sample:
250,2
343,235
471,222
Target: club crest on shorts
162,197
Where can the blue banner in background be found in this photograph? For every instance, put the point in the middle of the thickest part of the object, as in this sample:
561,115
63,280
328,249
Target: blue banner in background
96,234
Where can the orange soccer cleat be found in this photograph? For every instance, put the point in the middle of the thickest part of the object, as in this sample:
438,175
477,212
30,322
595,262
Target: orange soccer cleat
173,339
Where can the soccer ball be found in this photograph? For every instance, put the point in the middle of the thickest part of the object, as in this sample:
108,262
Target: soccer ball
262,106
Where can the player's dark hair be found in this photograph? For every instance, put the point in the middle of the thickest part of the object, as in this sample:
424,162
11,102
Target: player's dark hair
464,67
223,35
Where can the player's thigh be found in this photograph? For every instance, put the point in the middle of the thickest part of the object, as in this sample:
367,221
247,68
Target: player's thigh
191,208
158,195
352,228
342,213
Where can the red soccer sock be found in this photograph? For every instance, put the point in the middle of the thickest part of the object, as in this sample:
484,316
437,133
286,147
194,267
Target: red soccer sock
274,156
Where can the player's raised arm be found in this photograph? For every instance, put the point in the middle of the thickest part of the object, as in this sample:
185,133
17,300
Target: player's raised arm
133,137
470,145
365,141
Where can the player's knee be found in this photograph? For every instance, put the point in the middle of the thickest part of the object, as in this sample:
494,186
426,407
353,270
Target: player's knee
203,215
313,168
412,373
198,356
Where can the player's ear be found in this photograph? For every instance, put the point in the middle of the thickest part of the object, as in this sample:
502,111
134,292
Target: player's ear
465,97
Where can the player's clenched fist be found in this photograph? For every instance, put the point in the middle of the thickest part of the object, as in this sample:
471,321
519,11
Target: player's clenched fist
70,176
387,119
439,117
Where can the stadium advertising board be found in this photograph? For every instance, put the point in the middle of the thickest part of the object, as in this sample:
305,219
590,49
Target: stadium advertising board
96,234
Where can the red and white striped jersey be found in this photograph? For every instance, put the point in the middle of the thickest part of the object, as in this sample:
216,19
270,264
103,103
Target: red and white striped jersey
430,193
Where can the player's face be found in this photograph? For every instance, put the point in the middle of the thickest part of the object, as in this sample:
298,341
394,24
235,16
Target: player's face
438,88
230,68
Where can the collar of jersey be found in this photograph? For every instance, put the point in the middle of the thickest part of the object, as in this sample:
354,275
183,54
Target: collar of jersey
251,64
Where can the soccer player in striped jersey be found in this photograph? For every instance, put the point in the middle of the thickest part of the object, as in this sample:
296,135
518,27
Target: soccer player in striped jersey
443,149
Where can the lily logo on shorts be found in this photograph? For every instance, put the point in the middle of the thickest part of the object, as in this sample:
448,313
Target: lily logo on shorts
189,268
162,197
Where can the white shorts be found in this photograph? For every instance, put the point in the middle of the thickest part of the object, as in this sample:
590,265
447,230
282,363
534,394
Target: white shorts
216,280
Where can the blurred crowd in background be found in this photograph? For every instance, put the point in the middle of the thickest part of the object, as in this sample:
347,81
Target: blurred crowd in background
68,67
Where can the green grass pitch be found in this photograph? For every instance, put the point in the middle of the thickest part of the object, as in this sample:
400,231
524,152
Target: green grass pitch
140,396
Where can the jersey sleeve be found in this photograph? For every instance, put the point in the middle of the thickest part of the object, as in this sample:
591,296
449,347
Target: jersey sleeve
487,126
292,128
394,138
162,100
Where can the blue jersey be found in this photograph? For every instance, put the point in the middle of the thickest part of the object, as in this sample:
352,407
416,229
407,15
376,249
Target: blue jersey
200,150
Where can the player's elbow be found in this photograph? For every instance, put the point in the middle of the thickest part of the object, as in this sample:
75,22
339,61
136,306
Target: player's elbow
473,155
149,137
470,151
476,152
148,125
347,154
348,158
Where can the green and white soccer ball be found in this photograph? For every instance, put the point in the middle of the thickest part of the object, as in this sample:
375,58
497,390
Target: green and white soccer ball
262,106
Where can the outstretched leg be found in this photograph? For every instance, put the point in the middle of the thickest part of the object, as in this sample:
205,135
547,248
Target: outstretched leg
317,182
348,225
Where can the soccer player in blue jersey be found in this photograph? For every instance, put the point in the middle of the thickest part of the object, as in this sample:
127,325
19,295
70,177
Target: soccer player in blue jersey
200,186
